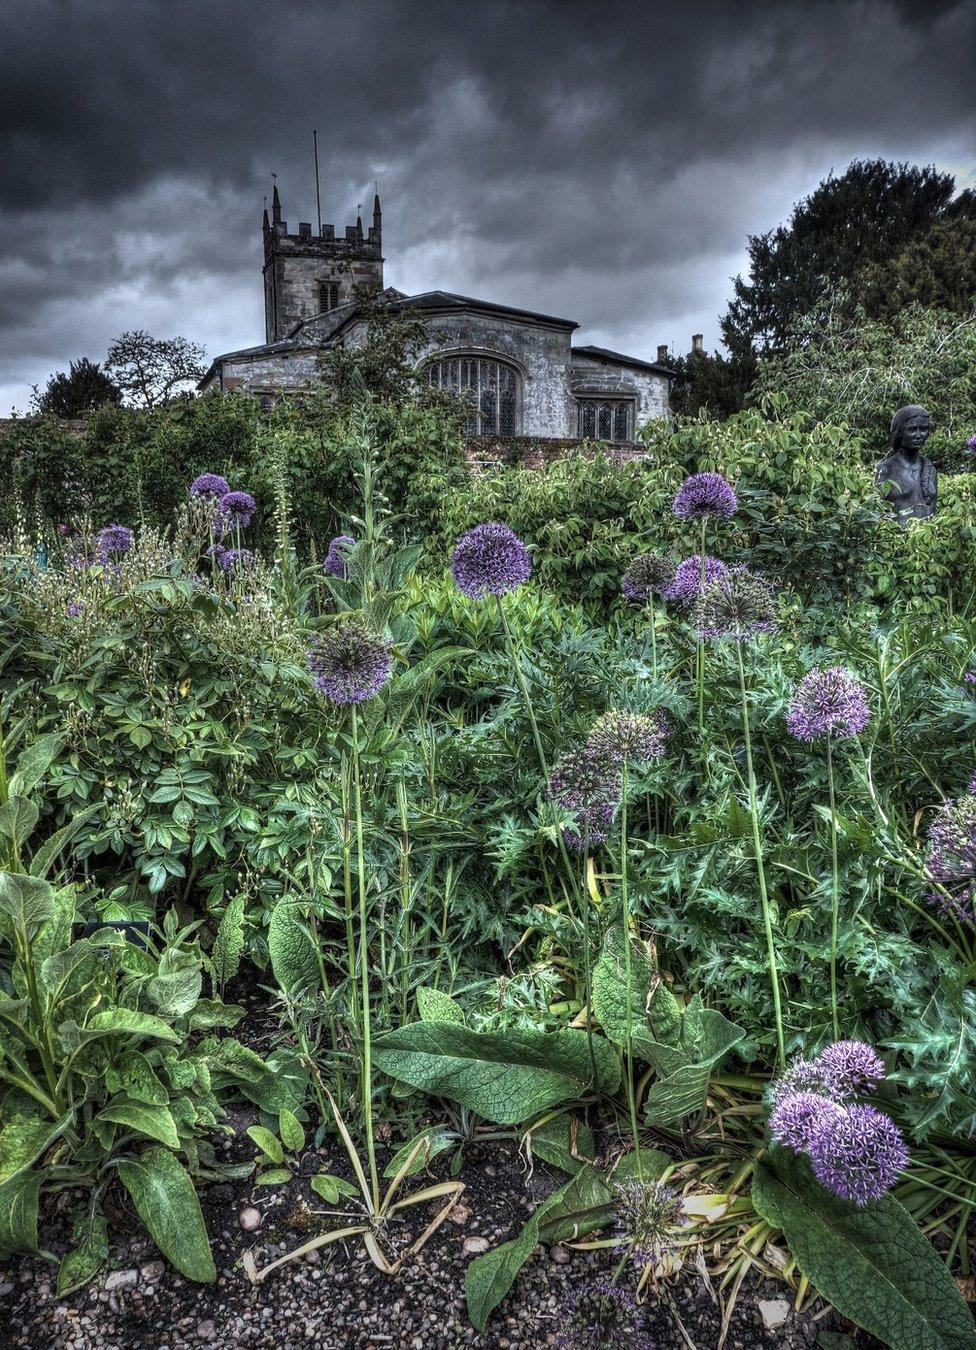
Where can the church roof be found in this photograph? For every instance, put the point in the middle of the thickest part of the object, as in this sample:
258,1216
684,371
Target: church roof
447,300
618,359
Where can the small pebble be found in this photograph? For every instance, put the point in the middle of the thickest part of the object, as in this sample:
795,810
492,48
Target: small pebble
121,1279
474,1245
250,1219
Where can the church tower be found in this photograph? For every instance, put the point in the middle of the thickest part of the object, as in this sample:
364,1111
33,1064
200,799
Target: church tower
307,274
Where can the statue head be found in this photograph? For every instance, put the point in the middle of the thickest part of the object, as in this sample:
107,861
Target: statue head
910,428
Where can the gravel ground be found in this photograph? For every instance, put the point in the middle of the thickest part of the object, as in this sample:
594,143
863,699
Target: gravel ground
336,1298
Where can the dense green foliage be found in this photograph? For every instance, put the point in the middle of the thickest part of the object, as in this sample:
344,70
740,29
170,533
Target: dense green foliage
83,388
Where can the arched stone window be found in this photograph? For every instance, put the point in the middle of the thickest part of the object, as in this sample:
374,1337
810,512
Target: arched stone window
328,296
605,419
491,388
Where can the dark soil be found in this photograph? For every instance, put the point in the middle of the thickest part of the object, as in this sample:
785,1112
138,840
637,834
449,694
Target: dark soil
336,1298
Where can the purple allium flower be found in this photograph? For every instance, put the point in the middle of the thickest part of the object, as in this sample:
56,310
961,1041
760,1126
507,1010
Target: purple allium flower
617,736
738,606
828,701
802,1075
849,1068
489,559
231,559
952,858
705,494
112,543
858,1153
64,531
350,664
209,485
335,558
603,1316
972,786
650,1215
686,585
585,784
970,677
796,1117
971,444
649,574
236,508
75,608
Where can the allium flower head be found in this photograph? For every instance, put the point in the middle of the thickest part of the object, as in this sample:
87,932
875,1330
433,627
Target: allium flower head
112,543
650,1215
236,508
858,1153
971,444
705,494
619,736
350,664
738,606
335,559
952,857
649,574
796,1117
848,1069
802,1075
603,1317
828,701
209,485
231,560
587,785
489,559
686,585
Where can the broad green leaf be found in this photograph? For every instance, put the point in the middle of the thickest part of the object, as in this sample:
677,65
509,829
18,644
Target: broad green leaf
504,1076
57,970
649,1163
34,763
274,1176
134,1075
564,1142
18,1212
18,816
267,1142
290,1130
293,956
610,987
873,1264
83,1262
46,856
437,1139
330,1187
128,1022
24,1139
155,1122
434,1006
178,985
228,945
488,1278
669,1100
167,1204
27,900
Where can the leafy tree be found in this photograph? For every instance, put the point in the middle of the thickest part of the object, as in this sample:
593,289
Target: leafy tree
937,270
859,372
716,385
151,370
83,388
868,215
380,355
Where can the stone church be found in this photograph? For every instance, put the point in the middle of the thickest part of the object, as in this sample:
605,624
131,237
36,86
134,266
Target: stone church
521,372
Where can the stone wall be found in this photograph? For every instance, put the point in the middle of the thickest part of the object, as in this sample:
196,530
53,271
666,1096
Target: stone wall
538,452
648,389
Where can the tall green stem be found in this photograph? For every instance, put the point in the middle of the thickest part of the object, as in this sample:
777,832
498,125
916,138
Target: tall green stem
835,892
366,1030
757,844
700,652
628,969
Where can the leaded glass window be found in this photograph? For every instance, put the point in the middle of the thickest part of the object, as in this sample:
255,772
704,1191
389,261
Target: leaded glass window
490,388
605,419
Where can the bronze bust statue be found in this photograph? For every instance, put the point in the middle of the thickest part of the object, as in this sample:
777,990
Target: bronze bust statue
906,478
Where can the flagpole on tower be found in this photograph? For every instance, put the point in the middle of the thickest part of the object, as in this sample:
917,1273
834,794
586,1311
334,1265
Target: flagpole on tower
318,202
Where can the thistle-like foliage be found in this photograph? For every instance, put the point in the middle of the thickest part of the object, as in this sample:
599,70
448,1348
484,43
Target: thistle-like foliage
797,1116
113,543
649,574
705,494
489,559
736,607
209,485
236,508
335,562
637,737
603,1317
349,663
858,1153
649,1214
952,858
587,785
829,701
686,586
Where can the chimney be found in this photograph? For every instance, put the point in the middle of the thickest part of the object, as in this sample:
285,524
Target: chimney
662,354
696,344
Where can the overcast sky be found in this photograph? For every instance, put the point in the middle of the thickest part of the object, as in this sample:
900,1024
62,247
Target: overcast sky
604,161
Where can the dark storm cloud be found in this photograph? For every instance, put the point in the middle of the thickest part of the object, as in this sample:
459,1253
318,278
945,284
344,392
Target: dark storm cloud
602,160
